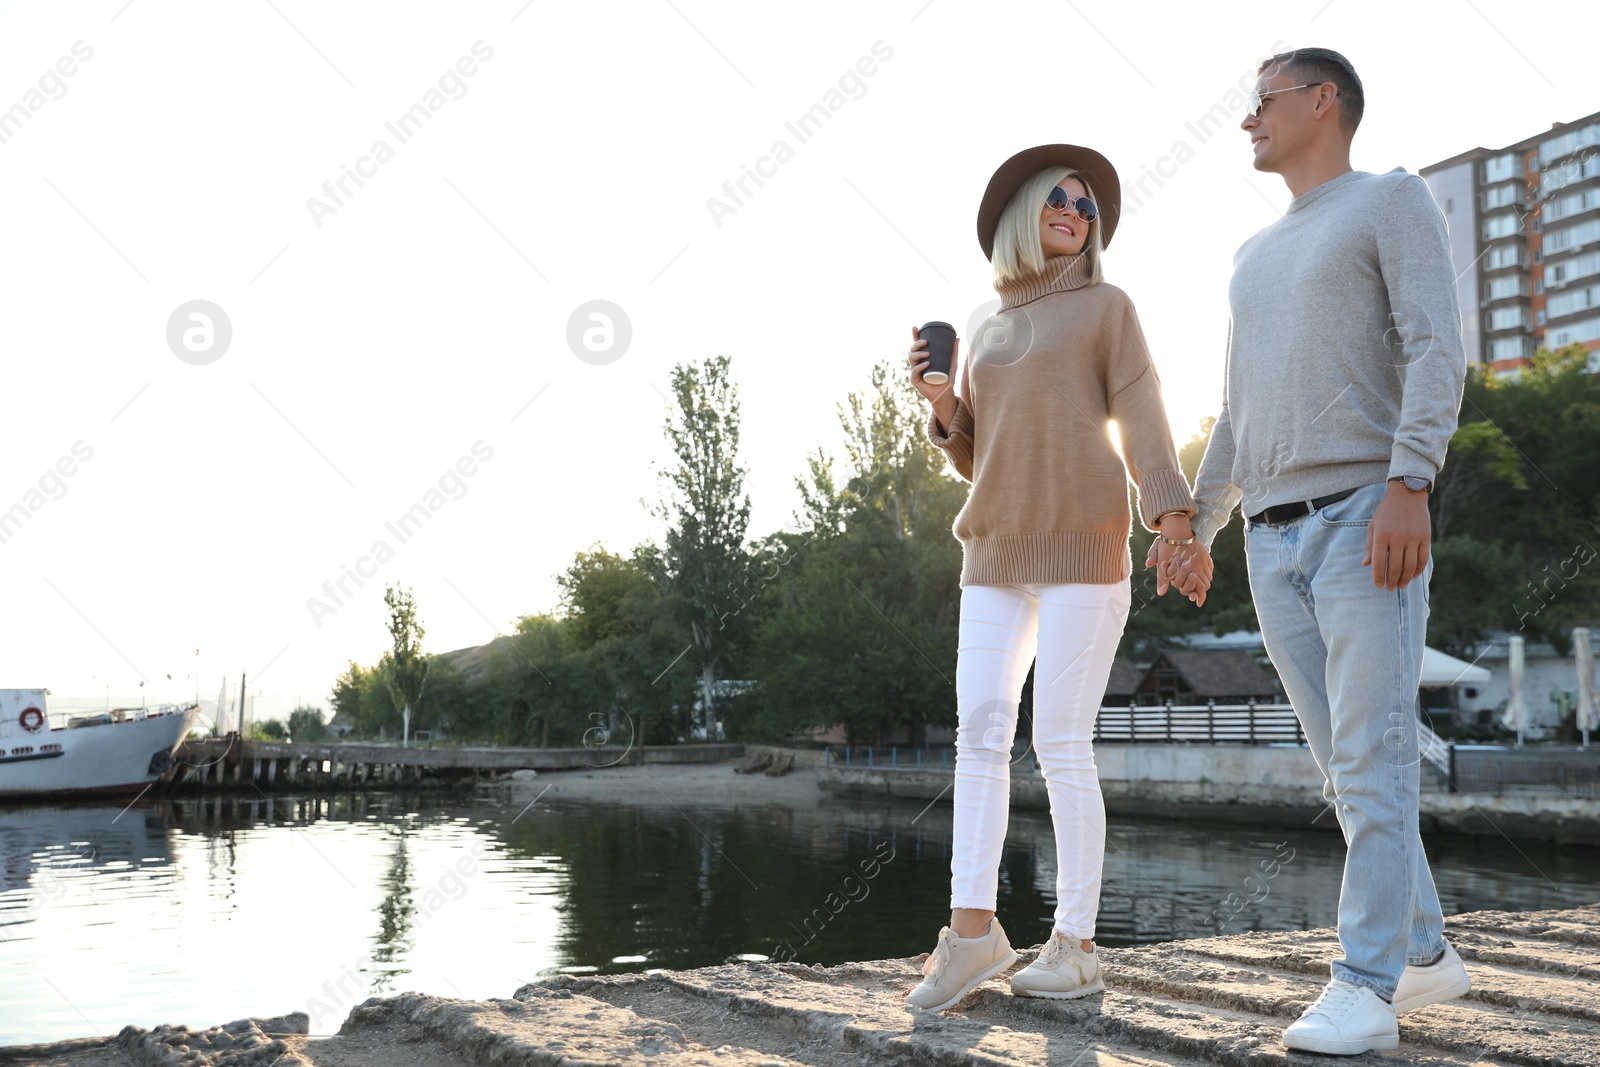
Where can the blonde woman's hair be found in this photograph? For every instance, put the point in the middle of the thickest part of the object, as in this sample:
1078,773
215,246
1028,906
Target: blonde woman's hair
1017,250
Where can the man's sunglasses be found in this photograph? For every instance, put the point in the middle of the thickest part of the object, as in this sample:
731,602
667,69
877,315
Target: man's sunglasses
1058,200
1253,102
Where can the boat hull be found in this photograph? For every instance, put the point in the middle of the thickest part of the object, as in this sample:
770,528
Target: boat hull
112,757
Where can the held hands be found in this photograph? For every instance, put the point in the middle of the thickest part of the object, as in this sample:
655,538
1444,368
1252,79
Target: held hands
1188,568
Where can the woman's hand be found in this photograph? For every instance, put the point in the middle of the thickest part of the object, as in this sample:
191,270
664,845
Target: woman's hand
1187,567
942,397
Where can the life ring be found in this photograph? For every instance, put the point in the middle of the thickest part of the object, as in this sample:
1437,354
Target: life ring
31,719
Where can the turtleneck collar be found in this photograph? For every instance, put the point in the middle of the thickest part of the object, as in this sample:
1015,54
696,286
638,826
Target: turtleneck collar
1060,273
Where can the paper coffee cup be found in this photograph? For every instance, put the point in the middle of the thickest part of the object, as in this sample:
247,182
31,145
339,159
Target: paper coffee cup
941,338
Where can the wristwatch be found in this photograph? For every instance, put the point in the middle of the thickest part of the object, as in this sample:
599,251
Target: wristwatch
1413,483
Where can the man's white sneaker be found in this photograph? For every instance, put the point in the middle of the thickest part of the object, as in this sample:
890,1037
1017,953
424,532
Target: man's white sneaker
1424,984
1345,1020
1063,971
958,965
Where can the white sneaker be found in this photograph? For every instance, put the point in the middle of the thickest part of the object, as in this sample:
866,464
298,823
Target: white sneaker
1063,971
958,965
1345,1020
1421,985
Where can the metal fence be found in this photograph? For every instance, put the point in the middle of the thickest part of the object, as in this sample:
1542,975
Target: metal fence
1470,769
1507,772
1209,723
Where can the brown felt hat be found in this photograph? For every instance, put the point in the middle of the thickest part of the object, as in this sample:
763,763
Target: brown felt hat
1025,164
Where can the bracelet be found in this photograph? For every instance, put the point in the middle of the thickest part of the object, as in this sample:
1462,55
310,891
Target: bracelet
1186,541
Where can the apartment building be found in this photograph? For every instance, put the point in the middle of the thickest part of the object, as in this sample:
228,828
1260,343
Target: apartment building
1525,237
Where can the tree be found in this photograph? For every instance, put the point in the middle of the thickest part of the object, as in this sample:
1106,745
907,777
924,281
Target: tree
404,667
1516,513
306,724
616,627
271,730
360,695
859,612
707,513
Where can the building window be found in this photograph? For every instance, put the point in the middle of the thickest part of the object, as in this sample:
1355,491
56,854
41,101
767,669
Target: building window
1506,256
1538,286
1501,196
1449,205
1538,318
1573,236
1499,226
1500,168
1510,348
1509,285
1508,318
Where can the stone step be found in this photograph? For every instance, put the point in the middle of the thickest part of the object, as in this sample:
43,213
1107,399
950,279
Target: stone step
1162,1007
1218,1000
1512,977
852,1014
1500,1024
1573,926
542,1027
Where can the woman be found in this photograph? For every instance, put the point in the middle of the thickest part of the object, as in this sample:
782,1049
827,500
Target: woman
1044,534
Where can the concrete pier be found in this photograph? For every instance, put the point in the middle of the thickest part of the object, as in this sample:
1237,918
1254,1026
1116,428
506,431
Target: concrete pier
1535,1002
1239,783
229,763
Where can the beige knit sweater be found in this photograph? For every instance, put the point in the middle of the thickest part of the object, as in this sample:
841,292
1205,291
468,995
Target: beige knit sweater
1049,498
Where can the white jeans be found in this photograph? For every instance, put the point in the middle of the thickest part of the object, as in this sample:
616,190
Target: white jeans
1075,629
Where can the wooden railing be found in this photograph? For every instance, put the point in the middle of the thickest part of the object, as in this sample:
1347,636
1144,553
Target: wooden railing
1209,723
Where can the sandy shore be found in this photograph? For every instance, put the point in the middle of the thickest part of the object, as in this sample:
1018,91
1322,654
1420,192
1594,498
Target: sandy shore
665,784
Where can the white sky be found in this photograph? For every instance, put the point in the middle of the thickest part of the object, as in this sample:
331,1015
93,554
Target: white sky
369,354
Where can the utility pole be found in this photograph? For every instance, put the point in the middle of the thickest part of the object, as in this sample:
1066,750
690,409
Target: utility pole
241,707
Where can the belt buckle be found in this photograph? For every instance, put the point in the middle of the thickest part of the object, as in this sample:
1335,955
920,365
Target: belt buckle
1302,506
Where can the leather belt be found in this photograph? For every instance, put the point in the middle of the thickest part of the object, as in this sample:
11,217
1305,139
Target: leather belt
1278,514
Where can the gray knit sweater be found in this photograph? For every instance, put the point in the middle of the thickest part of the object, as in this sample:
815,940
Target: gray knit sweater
1344,363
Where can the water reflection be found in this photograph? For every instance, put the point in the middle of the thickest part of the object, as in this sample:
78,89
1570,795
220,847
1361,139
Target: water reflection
200,911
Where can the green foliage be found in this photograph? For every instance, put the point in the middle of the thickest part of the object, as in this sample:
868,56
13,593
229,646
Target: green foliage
707,512
306,724
1517,504
858,616
360,695
853,617
404,667
270,730
1155,622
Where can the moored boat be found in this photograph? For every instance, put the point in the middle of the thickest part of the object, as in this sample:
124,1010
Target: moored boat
118,750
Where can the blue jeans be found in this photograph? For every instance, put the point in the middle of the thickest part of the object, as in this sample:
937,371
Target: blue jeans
1350,657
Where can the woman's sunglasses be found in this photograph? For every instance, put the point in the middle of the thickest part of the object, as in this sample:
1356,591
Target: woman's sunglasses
1058,200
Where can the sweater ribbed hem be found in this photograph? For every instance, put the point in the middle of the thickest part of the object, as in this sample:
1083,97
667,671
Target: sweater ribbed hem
1163,491
1049,558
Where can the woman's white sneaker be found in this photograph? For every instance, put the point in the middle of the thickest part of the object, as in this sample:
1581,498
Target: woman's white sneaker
958,965
1424,984
1063,971
1347,1019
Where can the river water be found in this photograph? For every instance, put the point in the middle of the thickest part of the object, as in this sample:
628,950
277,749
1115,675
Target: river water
204,910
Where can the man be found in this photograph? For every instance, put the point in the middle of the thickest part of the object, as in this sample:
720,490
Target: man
1343,384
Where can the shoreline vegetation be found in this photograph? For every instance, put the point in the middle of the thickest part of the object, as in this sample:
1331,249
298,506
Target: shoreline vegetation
849,613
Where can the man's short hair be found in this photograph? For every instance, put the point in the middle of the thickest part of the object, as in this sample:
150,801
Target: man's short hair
1319,65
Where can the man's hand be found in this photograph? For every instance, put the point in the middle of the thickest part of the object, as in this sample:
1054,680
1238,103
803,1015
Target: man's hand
1398,537
1187,567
